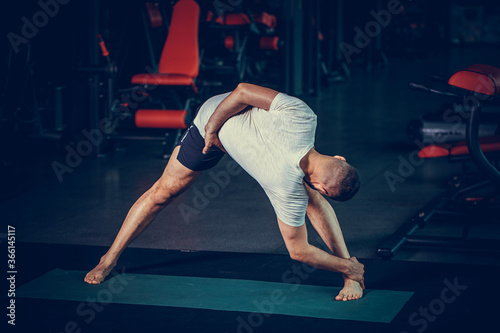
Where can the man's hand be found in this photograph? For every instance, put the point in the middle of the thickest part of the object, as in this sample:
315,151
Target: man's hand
244,95
356,271
211,139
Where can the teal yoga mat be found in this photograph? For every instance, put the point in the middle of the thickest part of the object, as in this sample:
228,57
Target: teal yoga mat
218,294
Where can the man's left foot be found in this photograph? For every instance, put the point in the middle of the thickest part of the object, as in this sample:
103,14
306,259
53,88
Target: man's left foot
352,290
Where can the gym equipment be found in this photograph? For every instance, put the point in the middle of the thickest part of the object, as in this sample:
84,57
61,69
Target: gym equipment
238,44
465,202
155,27
439,127
35,117
177,72
379,306
333,65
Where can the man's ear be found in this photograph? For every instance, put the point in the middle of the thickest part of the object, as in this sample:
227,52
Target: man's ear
316,188
340,157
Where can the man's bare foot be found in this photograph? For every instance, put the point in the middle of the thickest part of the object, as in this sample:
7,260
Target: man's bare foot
99,273
352,290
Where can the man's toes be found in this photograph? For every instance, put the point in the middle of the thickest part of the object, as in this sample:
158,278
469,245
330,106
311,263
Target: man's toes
339,297
92,279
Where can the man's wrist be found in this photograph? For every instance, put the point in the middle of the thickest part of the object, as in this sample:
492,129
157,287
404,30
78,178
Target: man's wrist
346,266
210,130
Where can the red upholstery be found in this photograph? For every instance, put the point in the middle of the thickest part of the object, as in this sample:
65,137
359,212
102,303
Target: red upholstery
161,118
233,19
266,19
179,63
155,18
164,79
488,144
482,79
242,19
229,42
432,151
269,43
180,54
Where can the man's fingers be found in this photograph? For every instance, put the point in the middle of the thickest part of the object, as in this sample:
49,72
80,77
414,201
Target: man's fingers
221,147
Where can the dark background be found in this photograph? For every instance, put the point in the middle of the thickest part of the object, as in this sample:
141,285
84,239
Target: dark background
363,116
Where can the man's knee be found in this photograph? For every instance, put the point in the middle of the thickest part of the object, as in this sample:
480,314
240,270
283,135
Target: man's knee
298,253
163,193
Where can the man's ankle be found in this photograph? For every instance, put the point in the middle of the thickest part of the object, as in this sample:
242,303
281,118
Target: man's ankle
346,267
108,260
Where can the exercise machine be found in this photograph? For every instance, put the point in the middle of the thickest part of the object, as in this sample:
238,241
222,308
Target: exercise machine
477,84
239,44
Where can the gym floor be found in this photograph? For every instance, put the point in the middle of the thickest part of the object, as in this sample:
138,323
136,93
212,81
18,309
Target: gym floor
233,231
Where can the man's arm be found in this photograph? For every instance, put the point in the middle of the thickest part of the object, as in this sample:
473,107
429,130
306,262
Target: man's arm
298,246
244,95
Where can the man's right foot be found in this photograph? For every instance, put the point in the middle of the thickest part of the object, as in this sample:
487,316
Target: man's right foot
99,273
352,290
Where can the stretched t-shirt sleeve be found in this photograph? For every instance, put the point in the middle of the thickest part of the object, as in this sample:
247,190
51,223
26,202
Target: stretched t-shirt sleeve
290,204
206,111
284,102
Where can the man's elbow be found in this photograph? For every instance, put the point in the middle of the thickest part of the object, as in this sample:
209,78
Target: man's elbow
241,91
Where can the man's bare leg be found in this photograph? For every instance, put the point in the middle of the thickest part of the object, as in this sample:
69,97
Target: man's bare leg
325,222
175,179
299,248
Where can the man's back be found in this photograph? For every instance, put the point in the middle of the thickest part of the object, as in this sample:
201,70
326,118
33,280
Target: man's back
269,146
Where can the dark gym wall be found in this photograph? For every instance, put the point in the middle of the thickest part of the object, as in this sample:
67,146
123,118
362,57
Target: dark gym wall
44,41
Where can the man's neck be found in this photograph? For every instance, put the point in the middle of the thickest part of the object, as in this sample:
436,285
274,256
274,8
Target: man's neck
306,163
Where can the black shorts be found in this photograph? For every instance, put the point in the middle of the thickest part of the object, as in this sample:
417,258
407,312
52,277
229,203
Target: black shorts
191,151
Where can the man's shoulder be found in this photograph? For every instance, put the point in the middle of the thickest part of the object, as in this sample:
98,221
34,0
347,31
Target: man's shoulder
292,106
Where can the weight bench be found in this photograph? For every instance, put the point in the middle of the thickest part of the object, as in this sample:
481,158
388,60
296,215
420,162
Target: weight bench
458,151
237,32
475,84
177,72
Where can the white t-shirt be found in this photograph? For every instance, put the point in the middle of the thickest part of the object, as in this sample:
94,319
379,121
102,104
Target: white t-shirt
269,146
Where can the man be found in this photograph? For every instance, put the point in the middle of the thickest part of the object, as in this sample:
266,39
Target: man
271,136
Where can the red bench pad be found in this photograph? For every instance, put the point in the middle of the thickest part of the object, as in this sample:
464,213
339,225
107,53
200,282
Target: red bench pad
488,144
164,79
179,63
482,79
161,118
264,18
